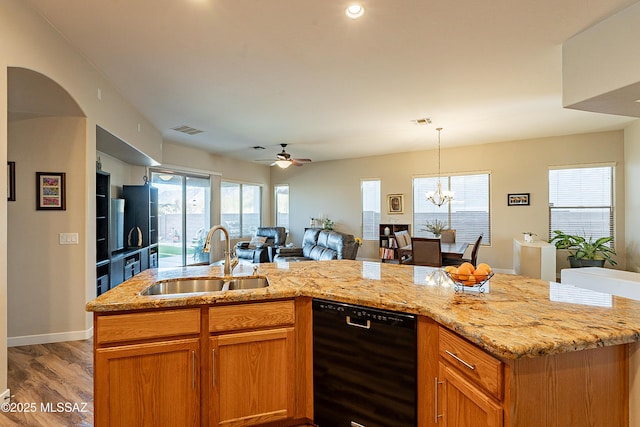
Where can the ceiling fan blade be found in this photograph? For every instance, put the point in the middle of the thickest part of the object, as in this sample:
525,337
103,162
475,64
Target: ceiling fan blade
302,160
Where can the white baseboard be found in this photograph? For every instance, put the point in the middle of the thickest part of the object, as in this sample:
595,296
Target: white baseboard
5,395
50,338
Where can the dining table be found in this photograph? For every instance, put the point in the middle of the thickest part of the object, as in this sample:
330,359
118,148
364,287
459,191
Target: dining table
453,250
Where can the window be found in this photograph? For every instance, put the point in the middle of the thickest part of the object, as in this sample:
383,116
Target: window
240,208
370,209
468,213
282,205
581,201
183,217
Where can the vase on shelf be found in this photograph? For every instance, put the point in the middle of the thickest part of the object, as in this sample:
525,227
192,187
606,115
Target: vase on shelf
387,231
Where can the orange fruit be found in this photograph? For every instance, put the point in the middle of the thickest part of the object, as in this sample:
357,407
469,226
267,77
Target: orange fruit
470,281
484,266
451,269
465,270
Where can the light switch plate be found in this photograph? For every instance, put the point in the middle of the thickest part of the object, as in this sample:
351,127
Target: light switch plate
68,238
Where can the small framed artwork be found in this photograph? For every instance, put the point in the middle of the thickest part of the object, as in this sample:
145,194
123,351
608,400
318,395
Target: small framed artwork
395,203
50,191
518,199
11,181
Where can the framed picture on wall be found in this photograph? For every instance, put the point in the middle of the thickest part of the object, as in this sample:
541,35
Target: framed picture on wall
518,199
11,181
50,191
395,203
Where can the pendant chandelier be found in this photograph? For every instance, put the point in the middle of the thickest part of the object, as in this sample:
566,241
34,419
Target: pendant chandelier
439,197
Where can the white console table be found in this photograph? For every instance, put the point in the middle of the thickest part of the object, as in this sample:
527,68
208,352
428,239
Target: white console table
535,259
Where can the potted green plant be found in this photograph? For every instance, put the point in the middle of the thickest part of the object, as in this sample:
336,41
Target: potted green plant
585,252
435,227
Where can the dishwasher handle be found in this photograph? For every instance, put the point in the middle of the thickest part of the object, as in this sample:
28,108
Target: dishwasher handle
367,325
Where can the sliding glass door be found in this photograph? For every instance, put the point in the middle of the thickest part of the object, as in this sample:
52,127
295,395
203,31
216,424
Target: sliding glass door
183,217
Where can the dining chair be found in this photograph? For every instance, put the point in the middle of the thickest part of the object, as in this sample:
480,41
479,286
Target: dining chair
448,236
474,255
426,252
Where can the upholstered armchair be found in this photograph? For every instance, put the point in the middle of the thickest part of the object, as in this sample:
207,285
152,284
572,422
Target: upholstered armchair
257,250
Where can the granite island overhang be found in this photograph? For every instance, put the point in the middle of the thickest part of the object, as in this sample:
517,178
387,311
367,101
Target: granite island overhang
519,318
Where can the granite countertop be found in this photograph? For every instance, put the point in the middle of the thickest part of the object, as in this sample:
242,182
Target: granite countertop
519,317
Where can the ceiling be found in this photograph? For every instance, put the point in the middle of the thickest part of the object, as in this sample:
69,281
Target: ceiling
260,73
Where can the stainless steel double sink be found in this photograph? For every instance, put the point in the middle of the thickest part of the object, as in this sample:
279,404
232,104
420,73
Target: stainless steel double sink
190,286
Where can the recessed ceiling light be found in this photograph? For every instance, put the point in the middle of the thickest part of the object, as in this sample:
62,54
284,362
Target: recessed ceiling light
354,11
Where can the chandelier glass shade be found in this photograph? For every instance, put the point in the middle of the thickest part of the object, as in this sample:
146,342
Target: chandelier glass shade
439,197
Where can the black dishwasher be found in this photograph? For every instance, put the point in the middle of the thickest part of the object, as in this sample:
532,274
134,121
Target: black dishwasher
364,366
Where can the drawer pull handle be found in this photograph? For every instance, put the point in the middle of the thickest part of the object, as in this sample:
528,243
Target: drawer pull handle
468,365
435,407
357,325
193,370
213,367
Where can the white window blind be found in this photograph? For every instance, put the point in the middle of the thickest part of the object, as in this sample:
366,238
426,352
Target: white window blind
581,201
370,209
468,213
240,208
282,205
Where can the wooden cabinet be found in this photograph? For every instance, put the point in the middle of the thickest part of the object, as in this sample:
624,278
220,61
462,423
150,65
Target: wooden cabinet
252,377
469,385
234,365
147,369
141,219
149,384
253,371
102,231
463,386
461,403
388,242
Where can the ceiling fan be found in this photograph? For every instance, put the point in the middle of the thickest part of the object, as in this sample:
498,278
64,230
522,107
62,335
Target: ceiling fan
284,160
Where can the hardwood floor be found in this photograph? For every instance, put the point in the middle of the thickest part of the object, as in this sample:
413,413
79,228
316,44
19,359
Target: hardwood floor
51,385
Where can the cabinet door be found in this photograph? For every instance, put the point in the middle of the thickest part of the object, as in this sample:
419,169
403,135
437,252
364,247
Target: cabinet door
252,377
153,384
461,404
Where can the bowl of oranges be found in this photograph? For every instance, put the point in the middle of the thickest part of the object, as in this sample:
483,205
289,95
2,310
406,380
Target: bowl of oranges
466,275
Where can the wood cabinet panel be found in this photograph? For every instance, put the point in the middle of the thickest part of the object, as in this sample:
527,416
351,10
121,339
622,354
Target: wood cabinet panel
253,377
581,388
464,405
250,316
472,362
148,384
146,325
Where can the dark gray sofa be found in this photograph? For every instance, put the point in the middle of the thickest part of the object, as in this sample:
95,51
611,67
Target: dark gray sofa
320,245
256,253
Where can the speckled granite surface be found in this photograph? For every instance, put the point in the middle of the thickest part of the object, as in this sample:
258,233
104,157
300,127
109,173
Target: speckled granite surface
519,317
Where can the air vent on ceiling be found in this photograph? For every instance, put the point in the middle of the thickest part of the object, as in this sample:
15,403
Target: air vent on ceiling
187,129
422,122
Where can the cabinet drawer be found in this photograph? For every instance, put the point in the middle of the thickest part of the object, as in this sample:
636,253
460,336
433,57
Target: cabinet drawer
249,316
471,362
147,325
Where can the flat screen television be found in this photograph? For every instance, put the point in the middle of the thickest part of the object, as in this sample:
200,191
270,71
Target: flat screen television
116,225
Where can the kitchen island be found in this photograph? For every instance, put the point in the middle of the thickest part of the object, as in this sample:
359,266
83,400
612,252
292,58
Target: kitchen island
555,353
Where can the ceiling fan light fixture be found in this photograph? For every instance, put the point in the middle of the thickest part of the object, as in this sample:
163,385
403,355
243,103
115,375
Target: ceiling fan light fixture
354,11
283,163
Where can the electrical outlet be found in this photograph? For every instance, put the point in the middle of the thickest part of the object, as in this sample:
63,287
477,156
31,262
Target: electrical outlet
68,238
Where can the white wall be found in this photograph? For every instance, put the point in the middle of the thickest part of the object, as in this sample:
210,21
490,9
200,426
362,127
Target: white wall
27,41
46,288
333,188
632,209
